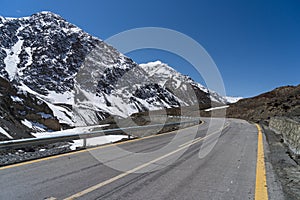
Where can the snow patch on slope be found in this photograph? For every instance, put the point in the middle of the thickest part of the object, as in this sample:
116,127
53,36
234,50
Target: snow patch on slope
27,123
34,125
12,59
63,115
54,97
5,133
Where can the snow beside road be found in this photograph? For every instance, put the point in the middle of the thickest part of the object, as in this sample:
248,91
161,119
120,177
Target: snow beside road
106,139
216,108
72,131
79,143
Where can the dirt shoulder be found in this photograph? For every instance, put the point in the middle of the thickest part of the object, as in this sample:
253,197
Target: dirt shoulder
285,165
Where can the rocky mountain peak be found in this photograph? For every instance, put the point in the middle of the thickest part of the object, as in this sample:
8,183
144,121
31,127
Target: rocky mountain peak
79,79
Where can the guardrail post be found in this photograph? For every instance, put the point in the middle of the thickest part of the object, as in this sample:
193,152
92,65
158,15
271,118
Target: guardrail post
84,143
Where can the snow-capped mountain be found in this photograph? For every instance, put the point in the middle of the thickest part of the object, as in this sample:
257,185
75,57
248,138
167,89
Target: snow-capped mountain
179,84
233,99
59,76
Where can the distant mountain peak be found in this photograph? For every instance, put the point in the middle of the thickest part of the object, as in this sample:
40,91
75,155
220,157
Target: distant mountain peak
48,16
48,13
157,64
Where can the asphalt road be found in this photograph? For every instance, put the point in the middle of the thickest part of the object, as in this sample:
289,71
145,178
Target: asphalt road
200,162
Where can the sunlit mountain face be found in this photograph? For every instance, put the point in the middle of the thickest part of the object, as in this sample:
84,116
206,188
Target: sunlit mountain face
53,76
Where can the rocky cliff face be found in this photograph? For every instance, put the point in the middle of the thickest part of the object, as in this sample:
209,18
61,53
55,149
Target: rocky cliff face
17,109
54,75
290,129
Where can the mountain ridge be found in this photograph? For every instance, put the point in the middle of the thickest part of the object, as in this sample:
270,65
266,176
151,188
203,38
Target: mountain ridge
281,101
78,78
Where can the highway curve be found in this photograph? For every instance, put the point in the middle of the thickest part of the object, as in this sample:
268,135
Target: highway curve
227,163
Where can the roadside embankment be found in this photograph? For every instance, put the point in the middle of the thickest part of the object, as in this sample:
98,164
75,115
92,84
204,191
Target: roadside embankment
290,130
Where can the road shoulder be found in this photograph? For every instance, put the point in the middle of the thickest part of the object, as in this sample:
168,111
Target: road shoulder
281,170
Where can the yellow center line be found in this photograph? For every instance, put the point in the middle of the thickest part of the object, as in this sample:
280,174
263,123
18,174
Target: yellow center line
86,150
191,142
261,190
99,185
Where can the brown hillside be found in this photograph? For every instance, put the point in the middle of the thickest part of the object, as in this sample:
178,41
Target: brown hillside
282,101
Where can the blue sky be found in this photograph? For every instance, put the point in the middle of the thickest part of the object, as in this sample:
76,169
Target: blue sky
255,43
